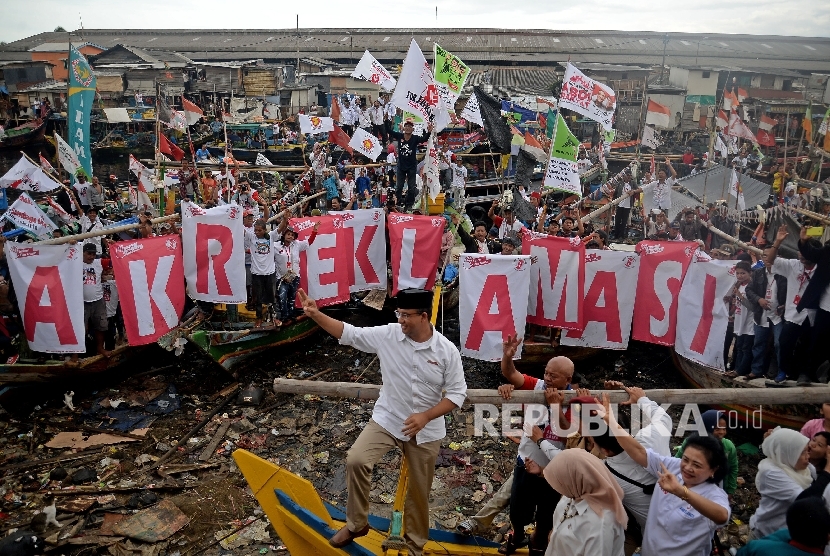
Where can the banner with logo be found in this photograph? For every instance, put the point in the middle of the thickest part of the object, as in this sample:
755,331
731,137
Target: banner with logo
366,144
610,286
313,124
364,233
493,302
28,176
663,265
590,98
48,283
326,265
562,172
557,281
82,84
214,254
66,156
416,90
149,274
450,75
701,331
369,69
415,243
432,177
24,213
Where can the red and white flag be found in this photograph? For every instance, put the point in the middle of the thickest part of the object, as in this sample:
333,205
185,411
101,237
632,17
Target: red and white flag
369,69
557,281
663,265
610,283
366,144
742,94
415,243
48,281
325,265
658,115
722,120
730,101
24,213
192,113
150,277
315,124
46,165
341,138
27,176
364,232
590,98
145,183
766,123
59,211
493,302
735,190
701,331
214,253
737,128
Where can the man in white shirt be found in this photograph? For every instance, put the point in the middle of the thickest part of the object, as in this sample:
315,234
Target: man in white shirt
82,188
347,186
346,117
661,188
376,115
459,182
623,210
389,113
764,293
422,381
95,308
797,324
90,222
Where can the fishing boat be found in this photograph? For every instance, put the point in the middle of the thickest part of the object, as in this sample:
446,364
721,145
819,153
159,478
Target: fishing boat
292,154
304,522
540,344
789,416
28,369
30,133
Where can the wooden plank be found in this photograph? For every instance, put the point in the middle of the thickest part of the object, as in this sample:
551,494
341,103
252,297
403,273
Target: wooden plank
749,395
217,438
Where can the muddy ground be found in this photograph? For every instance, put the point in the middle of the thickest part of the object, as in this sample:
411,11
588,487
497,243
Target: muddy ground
306,434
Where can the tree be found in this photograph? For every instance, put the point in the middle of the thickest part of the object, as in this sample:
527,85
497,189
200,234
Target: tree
59,29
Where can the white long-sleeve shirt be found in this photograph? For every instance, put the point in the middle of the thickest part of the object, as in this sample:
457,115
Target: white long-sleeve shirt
654,435
585,533
287,257
416,376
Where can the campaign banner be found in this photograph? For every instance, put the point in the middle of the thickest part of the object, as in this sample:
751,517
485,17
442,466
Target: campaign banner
214,253
663,265
492,303
66,156
149,274
610,286
366,144
432,177
416,90
557,281
82,85
701,331
450,75
590,98
415,243
369,69
325,266
364,232
24,213
313,124
48,281
28,176
562,172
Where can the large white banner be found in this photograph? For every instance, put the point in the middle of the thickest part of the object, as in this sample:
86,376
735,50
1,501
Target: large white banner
610,286
557,281
432,180
371,70
48,281
214,254
365,233
701,331
493,302
416,90
563,175
24,213
590,98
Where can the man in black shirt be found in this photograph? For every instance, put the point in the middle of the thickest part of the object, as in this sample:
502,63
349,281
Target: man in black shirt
407,163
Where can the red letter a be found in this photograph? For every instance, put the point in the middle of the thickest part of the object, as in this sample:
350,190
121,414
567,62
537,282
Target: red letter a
47,280
495,287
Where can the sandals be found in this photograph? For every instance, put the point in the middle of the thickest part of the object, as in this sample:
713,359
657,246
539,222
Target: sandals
511,544
467,527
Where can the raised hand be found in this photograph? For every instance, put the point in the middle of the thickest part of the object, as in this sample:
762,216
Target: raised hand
668,481
510,346
782,234
309,305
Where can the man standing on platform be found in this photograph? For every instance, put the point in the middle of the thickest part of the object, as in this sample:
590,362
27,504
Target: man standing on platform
423,380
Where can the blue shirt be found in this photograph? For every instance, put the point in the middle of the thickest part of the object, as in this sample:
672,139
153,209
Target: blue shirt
202,154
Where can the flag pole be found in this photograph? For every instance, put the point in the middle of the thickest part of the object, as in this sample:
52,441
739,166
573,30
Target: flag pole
640,124
786,138
57,179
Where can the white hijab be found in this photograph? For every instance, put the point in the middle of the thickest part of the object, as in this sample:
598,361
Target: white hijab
783,448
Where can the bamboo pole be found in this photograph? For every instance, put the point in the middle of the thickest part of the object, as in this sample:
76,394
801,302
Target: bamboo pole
814,215
733,239
587,218
748,396
260,168
104,232
295,205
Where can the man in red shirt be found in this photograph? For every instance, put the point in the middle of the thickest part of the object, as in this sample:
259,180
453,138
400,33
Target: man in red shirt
688,157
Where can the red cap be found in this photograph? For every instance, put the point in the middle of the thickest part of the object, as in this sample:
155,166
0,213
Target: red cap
536,195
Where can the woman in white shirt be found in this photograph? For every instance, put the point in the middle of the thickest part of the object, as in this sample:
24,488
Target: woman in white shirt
589,519
782,476
688,505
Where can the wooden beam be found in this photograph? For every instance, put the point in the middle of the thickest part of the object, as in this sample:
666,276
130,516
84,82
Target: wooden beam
747,396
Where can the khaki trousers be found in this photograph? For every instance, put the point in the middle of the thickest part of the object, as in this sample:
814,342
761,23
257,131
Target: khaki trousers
372,444
500,500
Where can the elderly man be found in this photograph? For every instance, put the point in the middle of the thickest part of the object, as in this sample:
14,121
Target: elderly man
422,381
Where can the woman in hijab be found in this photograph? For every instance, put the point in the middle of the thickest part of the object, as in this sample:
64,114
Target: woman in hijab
589,519
714,422
782,476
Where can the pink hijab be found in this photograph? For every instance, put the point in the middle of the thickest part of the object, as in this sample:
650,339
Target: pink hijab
580,476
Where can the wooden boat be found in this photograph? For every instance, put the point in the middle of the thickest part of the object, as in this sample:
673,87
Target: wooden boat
789,416
28,370
304,522
30,133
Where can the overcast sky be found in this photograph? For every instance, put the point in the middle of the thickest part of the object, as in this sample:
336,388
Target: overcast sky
21,19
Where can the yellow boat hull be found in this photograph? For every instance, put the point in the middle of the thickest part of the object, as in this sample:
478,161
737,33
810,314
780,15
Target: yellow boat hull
305,523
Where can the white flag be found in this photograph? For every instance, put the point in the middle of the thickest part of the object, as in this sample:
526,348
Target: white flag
650,138
27,176
371,70
145,184
471,112
416,91
315,124
66,156
590,98
736,191
24,213
366,144
261,160
432,180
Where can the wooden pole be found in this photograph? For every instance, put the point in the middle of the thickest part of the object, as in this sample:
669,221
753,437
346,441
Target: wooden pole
786,140
104,232
587,218
295,205
748,396
814,215
733,239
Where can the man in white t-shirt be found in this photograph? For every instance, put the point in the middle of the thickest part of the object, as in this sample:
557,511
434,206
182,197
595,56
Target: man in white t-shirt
623,210
662,186
95,308
459,182
90,222
82,188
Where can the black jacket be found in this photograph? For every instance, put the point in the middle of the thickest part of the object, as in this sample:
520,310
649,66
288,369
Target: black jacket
757,289
821,277
470,244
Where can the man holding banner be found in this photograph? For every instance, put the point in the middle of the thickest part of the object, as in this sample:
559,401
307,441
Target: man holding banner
422,381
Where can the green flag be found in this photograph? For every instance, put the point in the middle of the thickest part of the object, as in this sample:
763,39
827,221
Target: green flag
450,74
550,121
565,145
82,84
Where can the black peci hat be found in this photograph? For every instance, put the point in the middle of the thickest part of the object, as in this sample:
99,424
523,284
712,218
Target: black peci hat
413,298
